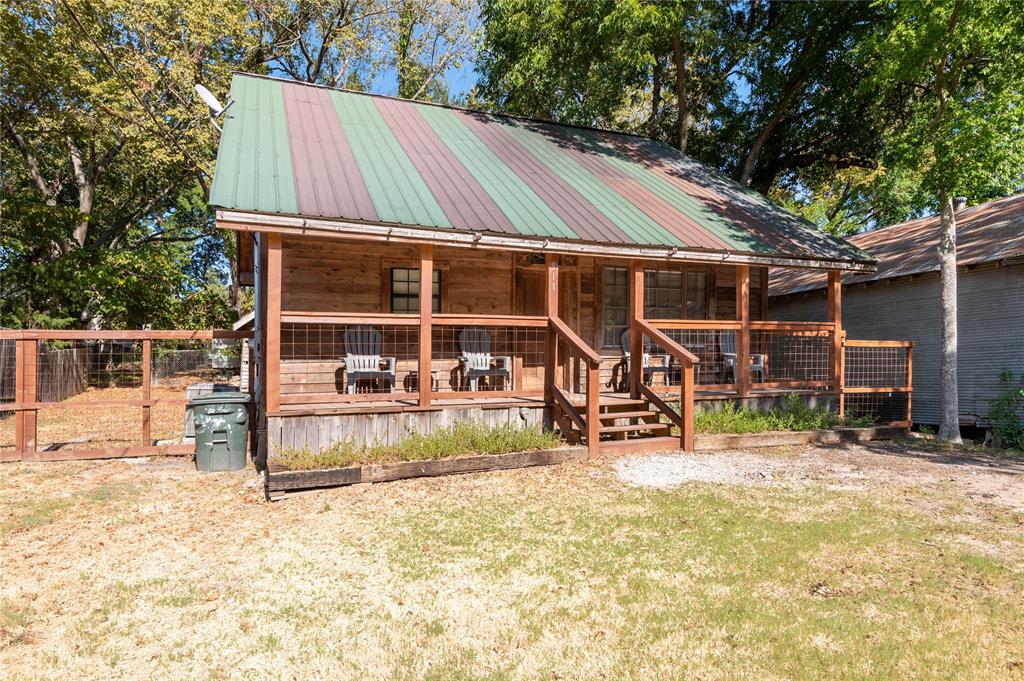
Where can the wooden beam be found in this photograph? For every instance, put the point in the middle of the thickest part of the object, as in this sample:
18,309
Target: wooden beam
272,381
147,392
743,338
836,352
426,322
551,311
636,336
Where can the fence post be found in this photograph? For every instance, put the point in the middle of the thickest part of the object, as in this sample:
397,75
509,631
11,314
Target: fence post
835,316
26,357
147,381
743,342
686,408
593,409
910,383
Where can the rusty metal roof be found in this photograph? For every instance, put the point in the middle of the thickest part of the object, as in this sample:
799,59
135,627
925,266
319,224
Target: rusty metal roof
314,152
988,232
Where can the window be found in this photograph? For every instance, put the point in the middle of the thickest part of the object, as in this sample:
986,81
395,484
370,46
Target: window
696,295
614,305
405,290
663,294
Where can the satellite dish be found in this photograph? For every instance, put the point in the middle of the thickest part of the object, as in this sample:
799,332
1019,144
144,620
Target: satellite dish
215,106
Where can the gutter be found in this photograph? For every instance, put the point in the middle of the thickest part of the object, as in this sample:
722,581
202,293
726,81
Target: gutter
285,224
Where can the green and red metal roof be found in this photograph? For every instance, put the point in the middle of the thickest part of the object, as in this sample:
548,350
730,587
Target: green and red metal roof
309,151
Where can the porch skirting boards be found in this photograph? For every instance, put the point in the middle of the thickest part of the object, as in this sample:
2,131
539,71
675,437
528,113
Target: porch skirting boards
315,432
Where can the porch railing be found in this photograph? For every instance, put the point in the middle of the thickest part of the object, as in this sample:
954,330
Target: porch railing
314,357
781,355
645,334
74,394
877,381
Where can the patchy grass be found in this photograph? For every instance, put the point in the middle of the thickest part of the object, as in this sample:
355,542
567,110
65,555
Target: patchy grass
853,562
461,439
928,442
793,415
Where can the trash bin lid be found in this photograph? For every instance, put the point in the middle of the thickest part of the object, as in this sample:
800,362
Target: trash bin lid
220,398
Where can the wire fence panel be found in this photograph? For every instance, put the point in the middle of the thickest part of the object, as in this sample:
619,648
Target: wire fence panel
82,397
879,407
328,360
492,358
791,356
716,349
876,367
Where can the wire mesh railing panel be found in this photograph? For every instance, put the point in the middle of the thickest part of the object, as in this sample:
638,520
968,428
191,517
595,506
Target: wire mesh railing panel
8,369
790,356
713,348
320,360
468,358
879,408
876,367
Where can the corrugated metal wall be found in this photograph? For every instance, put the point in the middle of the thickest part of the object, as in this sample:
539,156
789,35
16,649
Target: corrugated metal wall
991,313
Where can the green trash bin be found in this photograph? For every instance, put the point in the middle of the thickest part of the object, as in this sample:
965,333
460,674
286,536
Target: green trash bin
222,426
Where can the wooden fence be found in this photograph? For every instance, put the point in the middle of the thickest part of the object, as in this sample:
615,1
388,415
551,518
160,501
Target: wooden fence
61,373
39,380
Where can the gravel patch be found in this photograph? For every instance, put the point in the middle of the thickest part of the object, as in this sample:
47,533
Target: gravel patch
666,471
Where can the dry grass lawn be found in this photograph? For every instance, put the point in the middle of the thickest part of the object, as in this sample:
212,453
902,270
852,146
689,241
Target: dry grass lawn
853,562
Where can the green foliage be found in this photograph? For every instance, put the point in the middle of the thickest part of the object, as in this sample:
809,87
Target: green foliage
953,71
793,415
1005,412
460,439
108,153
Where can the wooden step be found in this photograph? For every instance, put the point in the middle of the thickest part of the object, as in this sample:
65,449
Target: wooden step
623,404
635,427
640,445
609,415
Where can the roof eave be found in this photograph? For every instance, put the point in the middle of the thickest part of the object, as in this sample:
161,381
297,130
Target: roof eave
294,224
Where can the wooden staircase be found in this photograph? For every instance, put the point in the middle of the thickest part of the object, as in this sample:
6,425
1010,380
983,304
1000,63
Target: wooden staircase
626,425
640,421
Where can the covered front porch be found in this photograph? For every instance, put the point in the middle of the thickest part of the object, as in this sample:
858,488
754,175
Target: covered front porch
353,351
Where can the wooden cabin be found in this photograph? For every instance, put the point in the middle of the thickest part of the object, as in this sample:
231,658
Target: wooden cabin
541,246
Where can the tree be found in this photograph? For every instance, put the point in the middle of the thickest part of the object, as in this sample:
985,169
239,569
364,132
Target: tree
956,70
106,149
761,89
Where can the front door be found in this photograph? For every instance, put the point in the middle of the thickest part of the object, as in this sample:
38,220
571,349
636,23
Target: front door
530,294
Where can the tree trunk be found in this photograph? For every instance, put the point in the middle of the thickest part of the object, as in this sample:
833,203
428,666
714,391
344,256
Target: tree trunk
949,403
682,97
653,122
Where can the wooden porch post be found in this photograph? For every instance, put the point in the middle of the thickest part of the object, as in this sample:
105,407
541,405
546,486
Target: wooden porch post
425,382
743,341
272,382
551,310
636,336
835,317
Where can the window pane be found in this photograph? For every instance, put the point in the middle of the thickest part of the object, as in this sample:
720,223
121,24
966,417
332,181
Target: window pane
615,304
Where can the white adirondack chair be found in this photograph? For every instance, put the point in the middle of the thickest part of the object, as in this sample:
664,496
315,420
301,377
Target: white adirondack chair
727,345
363,358
477,361
649,368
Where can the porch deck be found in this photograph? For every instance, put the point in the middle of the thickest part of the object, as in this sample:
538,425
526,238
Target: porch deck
483,401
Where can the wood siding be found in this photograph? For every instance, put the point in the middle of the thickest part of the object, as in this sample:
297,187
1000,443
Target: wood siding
991,325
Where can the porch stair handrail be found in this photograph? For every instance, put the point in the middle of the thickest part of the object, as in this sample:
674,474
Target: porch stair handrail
591,422
687,361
